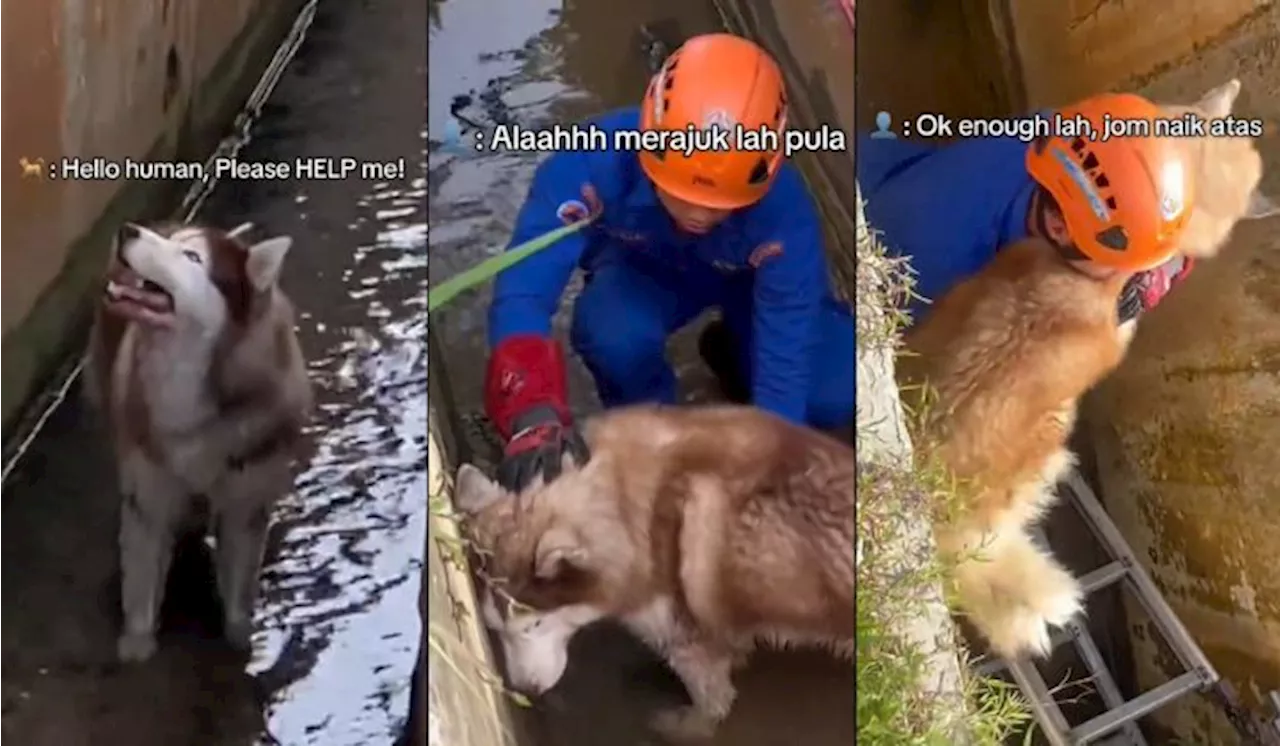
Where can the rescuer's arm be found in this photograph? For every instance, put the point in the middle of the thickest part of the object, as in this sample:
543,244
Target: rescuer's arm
789,288
525,392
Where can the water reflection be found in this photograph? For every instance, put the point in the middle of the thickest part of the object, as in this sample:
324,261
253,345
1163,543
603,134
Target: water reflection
338,626
340,599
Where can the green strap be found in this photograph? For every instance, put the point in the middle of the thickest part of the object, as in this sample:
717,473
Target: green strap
450,289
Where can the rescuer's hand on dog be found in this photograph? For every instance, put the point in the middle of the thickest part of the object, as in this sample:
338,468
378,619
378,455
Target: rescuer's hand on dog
538,448
1146,290
526,399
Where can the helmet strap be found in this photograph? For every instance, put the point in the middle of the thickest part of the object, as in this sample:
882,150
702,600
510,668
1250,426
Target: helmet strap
1040,207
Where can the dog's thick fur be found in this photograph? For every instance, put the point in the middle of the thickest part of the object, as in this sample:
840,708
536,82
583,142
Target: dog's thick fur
1228,171
702,530
1005,357
195,364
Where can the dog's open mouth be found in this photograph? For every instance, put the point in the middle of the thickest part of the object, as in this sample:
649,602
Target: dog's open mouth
134,297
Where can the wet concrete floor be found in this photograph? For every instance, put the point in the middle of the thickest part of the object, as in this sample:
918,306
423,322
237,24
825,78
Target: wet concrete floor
538,63
339,629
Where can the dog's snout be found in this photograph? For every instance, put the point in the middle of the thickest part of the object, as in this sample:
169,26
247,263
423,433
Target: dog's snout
538,690
128,232
530,689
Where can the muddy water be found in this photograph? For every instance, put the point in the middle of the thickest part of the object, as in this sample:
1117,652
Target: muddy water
338,627
538,62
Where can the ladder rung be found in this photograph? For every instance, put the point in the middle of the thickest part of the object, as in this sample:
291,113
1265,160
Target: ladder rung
1121,716
1171,628
993,664
1053,724
990,666
1102,679
1136,707
1104,576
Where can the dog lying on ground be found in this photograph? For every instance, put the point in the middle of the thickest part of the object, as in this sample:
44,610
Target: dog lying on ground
194,361
1006,355
702,530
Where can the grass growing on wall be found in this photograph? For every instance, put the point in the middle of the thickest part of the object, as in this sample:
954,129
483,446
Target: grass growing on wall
907,693
894,709
467,699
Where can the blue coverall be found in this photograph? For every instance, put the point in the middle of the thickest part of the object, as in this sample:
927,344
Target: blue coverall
764,267
948,208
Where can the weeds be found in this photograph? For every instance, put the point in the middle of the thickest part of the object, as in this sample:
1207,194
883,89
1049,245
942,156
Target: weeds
914,683
455,644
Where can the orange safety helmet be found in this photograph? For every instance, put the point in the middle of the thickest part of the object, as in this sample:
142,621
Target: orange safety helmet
715,79
1125,199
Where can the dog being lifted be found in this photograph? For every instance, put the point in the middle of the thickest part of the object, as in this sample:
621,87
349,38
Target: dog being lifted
1228,171
703,530
1007,354
194,361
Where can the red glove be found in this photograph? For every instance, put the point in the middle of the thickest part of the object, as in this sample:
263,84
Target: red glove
1145,290
525,397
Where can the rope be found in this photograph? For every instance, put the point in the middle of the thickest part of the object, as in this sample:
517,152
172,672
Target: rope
450,289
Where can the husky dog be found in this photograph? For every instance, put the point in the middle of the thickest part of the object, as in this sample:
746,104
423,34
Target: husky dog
194,361
1007,354
702,530
1228,170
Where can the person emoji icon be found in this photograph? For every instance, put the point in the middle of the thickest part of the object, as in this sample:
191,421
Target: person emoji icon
883,121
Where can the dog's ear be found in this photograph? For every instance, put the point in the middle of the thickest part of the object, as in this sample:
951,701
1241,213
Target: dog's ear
265,260
473,491
1217,103
1261,206
559,553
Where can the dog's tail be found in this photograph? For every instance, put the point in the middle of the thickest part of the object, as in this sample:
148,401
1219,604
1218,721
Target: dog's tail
1013,591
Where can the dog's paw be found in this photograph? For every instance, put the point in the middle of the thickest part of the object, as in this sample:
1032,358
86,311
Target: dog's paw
1063,598
684,725
135,647
1028,630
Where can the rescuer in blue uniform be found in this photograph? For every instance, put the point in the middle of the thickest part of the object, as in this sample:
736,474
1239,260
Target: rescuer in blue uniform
1107,206
673,235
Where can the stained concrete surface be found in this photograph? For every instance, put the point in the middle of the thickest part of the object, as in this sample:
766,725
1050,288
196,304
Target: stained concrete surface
357,274
539,63
1188,428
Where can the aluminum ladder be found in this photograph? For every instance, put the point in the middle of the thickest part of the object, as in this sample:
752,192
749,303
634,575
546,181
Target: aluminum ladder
1118,725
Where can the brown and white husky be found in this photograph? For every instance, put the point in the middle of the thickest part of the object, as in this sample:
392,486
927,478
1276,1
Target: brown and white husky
194,361
703,530
1007,355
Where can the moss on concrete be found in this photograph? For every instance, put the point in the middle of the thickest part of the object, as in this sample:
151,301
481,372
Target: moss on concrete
1187,454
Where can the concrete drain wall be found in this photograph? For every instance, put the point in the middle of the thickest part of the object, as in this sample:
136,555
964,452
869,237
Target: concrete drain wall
465,702
467,707
1186,432
1188,429
106,80
1018,54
